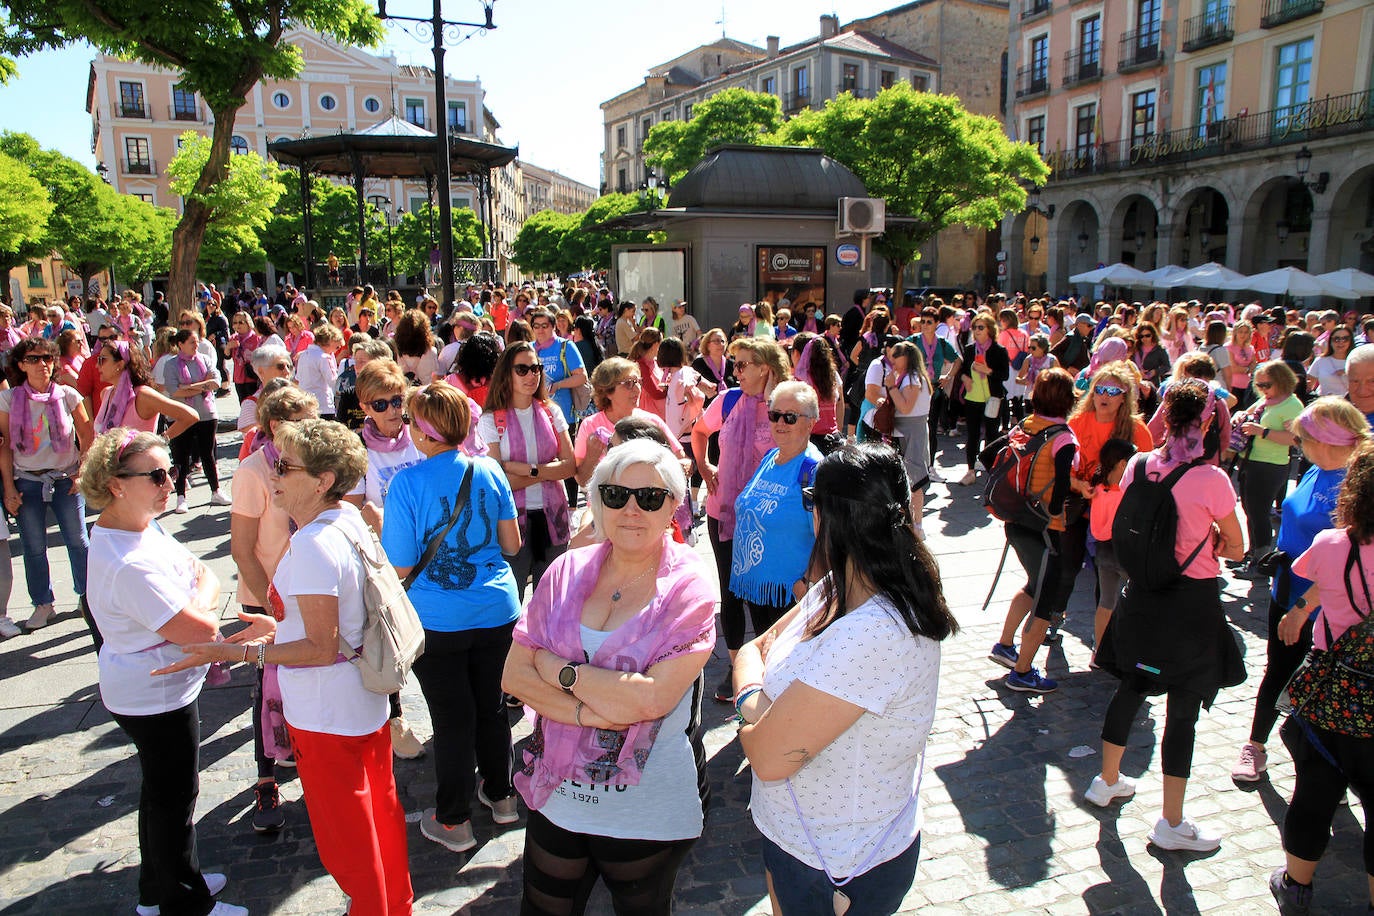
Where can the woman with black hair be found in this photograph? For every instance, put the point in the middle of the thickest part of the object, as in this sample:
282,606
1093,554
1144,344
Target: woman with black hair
584,338
474,364
849,674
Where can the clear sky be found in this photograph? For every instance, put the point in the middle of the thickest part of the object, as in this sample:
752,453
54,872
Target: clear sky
546,68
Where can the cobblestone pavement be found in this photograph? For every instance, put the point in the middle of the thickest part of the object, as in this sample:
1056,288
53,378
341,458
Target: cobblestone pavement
1006,831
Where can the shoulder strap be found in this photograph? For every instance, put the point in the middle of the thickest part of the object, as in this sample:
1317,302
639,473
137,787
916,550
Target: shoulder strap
1354,562
732,396
461,500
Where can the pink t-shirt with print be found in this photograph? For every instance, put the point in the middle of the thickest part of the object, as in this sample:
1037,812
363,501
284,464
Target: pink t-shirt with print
1203,495
1324,563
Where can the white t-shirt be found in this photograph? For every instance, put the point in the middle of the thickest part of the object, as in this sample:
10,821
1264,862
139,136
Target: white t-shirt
422,367
486,426
448,355
138,581
43,458
322,560
1330,375
685,401
876,374
854,788
316,373
382,468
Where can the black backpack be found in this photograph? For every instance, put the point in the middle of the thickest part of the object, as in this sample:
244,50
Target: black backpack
1010,462
1145,531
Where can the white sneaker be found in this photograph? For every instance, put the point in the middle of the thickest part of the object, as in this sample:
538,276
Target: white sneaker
968,479
181,508
228,909
219,499
1102,794
8,628
41,617
1186,836
935,476
214,882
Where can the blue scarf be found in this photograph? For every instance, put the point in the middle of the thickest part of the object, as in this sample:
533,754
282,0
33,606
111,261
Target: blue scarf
773,533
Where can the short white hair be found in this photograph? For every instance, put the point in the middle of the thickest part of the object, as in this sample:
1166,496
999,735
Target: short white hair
1362,354
267,355
800,392
626,455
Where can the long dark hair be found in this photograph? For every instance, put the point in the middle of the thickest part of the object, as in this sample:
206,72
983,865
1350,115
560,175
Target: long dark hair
499,395
863,499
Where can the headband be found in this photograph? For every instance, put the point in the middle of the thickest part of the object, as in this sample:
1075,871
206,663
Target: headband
124,442
1324,429
425,426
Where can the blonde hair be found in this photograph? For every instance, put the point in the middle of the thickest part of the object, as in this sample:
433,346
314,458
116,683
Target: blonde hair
1127,375
1340,412
324,446
607,375
285,403
767,352
107,457
327,333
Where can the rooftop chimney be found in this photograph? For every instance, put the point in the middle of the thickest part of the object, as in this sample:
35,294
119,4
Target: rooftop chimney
772,46
830,26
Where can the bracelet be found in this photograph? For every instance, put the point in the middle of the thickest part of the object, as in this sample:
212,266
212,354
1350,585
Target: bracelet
246,647
577,714
262,655
744,696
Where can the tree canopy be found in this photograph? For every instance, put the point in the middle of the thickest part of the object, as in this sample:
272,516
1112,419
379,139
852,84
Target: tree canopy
729,116
410,238
557,243
237,208
538,247
333,220
24,212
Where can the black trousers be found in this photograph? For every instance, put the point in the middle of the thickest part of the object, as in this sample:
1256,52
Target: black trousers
1320,787
1180,725
980,429
168,746
196,442
731,607
1282,660
1261,485
460,676
537,551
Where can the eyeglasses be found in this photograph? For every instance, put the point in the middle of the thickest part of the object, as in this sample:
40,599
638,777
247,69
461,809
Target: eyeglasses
614,496
787,417
1110,391
159,476
927,321
381,404
629,383
1263,386
1342,339
524,369
33,359
102,359
541,326
283,468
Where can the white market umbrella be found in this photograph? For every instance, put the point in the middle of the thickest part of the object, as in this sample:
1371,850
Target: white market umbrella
1348,278
1163,277
1117,274
1288,281
1209,276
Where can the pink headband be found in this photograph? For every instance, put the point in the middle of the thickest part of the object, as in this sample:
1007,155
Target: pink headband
1324,429
124,441
425,426
121,348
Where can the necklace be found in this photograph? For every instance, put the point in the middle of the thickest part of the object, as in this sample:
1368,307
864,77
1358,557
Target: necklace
615,595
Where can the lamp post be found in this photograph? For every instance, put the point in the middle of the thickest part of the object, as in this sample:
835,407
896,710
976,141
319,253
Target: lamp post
436,25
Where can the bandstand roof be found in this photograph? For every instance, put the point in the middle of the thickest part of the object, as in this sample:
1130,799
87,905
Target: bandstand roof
394,148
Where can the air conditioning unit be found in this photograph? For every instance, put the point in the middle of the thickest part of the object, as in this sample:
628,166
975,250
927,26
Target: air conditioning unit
863,215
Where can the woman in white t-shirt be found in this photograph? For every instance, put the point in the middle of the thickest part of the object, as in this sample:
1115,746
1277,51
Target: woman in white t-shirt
850,674
1328,370
150,596
903,377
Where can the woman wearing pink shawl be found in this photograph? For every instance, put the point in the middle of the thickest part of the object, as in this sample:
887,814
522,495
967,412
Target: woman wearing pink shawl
609,656
130,399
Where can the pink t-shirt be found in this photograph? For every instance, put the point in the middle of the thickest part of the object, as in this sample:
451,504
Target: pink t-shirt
253,499
1103,510
1324,563
600,423
1203,495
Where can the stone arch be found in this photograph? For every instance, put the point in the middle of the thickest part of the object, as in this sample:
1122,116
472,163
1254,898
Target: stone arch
1071,254
1136,215
1200,226
1280,199
1350,240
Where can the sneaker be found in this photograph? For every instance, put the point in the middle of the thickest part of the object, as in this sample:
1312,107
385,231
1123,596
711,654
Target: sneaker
458,838
1031,682
8,628
1293,898
41,617
1053,637
1186,836
228,909
725,690
181,508
214,882
217,498
503,811
1253,761
268,816
404,744
1004,655
1102,794
968,479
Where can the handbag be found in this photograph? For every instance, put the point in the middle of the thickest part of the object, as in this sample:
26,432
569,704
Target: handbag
582,394
885,415
993,408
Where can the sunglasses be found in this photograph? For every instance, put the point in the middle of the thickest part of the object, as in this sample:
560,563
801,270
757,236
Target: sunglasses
283,468
1147,337
1264,386
786,416
40,358
159,476
103,338
614,496
541,326
524,369
1110,391
629,383
381,404
1341,339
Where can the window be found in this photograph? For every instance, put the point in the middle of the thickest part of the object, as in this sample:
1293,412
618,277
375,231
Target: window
36,275
1089,46
281,100
644,127
886,78
415,111
920,82
417,204
146,198
372,104
1292,81
1035,132
1040,63
620,137
849,79
139,160
1147,27
1142,116
666,116
131,100
238,145
458,117
184,107
1211,99
770,85
1085,131
687,112
801,82
621,184
328,102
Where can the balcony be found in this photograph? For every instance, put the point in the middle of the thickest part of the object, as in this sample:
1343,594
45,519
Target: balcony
132,111
1209,29
1277,12
1083,65
1140,48
139,167
794,102
1034,9
459,129
186,113
1332,116
419,121
1032,81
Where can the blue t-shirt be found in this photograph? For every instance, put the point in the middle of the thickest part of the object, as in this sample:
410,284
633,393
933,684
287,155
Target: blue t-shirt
1309,510
468,585
774,534
561,359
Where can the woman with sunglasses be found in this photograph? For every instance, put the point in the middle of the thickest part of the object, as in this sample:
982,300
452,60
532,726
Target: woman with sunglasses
1328,370
46,428
1153,361
190,378
1264,472
151,597
527,433
615,390
467,601
849,674
609,656
129,398
984,367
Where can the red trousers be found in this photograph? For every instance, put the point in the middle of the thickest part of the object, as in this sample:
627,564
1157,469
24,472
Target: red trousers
359,826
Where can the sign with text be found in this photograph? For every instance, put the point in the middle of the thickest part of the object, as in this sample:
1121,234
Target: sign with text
791,272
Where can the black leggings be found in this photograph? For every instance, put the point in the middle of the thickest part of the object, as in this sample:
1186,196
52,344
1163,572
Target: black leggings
1263,483
938,405
731,607
196,442
763,616
1320,787
267,766
244,389
1282,661
561,868
979,429
1180,725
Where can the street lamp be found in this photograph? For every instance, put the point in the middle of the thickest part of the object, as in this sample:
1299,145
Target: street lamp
1304,159
437,26
1282,229
1034,243
1082,240
1140,240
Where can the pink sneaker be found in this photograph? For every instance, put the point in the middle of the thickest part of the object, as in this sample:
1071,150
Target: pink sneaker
1253,762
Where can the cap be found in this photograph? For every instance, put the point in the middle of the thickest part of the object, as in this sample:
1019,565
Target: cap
1084,318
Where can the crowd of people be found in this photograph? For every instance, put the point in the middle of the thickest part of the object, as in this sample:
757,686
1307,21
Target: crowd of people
536,466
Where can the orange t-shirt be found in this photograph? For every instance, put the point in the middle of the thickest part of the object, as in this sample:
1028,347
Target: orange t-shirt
1092,435
253,498
500,316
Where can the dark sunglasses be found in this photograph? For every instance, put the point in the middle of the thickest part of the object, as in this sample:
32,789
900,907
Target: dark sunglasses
159,476
614,496
1341,338
282,468
786,416
1147,337
524,369
1110,391
37,358
1264,386
381,404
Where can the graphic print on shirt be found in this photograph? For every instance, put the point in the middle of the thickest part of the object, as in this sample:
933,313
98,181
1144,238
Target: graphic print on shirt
451,568
749,525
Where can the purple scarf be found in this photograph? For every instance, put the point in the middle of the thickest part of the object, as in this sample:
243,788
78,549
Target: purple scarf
184,364
24,432
679,620
740,454
120,395
376,441
545,449
1181,447
1109,351
803,371
9,338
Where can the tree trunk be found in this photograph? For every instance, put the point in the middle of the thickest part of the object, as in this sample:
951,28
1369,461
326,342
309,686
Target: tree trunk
5,289
190,231
898,267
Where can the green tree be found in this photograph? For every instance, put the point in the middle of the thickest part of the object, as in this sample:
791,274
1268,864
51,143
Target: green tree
539,247
333,221
24,211
147,249
222,48
933,161
729,116
588,247
410,238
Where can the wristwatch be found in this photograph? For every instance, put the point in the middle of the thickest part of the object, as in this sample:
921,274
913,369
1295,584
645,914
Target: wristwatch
534,470
1300,604
567,676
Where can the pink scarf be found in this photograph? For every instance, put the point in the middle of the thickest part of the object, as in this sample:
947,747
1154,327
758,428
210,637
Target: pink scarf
377,441
184,364
1187,445
9,338
740,454
25,434
545,449
119,396
679,620
803,371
